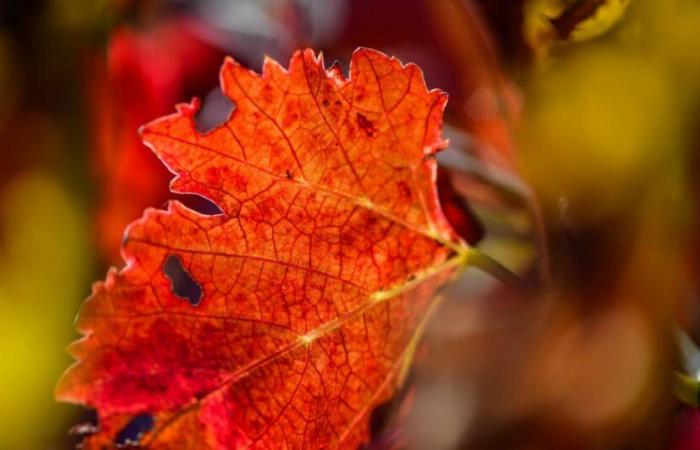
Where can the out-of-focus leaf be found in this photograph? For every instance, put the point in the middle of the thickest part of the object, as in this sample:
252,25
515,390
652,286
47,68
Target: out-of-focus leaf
491,98
43,265
146,71
686,434
594,129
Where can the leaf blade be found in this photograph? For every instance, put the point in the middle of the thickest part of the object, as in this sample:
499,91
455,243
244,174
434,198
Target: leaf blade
314,278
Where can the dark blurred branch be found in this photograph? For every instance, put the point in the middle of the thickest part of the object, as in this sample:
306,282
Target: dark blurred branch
573,15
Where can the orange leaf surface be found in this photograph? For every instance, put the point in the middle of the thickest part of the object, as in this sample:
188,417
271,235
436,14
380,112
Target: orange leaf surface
285,320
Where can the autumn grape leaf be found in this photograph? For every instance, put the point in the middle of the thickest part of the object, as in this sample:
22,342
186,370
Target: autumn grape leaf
285,320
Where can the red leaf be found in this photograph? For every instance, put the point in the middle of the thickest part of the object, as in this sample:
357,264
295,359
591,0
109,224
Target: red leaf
286,320
144,73
457,210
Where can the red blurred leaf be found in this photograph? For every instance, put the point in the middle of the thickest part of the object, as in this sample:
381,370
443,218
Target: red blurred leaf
144,73
457,210
491,100
686,435
285,320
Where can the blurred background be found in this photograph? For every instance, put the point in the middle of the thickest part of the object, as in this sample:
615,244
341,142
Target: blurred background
575,144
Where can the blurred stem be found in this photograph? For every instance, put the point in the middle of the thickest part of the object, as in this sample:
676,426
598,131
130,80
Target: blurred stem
498,194
530,203
540,236
686,389
480,260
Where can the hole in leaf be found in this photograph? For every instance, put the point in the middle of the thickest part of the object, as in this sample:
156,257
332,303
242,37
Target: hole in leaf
87,425
182,284
216,109
198,203
134,430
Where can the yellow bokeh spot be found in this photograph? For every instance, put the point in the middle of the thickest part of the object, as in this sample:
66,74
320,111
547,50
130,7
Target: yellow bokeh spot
43,274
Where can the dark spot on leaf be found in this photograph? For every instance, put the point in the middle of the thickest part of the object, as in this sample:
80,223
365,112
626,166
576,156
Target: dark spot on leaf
288,173
216,109
182,284
366,125
134,430
404,190
326,103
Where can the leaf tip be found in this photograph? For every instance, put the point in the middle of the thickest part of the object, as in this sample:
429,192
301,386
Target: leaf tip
189,109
